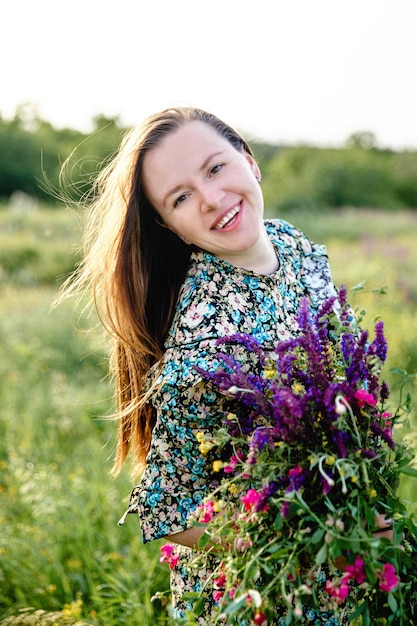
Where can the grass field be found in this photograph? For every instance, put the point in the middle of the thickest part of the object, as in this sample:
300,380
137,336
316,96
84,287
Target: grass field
60,547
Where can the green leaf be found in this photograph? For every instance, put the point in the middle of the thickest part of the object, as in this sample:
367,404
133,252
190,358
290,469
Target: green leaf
366,620
252,571
279,554
369,516
321,555
359,287
410,471
204,540
393,604
235,605
191,596
317,536
278,522
199,606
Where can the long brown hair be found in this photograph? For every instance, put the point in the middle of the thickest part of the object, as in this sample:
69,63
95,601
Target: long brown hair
135,268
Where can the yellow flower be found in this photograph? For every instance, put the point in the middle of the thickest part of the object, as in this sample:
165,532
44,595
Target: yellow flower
234,489
74,609
297,388
218,506
205,447
269,373
204,444
372,493
217,465
330,460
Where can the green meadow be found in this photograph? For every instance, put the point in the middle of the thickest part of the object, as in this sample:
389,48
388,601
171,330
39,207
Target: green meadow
61,550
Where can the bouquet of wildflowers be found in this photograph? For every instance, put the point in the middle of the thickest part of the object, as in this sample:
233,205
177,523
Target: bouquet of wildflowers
307,509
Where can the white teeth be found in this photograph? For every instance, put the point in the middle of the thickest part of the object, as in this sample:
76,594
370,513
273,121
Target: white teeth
227,218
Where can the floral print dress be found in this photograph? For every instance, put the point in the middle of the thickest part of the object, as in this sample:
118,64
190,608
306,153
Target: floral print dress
216,299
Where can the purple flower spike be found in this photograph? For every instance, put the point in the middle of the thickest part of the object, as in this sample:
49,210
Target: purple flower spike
368,454
385,436
379,345
384,393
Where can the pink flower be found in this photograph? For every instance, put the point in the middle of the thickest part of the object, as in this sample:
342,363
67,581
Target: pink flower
338,592
217,595
206,512
169,555
296,478
234,460
363,397
387,417
388,579
356,571
251,499
243,544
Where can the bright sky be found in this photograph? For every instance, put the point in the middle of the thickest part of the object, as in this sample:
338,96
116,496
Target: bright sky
279,70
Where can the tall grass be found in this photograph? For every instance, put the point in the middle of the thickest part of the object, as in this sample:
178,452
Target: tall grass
60,547
60,540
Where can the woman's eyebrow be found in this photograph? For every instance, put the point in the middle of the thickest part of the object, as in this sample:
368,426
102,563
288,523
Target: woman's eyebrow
204,165
207,161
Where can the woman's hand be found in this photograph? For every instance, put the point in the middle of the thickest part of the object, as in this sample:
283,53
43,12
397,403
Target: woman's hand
385,526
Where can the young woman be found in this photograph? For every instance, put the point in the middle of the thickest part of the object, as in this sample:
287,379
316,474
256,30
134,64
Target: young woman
178,255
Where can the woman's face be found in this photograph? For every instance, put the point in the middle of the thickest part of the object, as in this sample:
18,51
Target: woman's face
206,191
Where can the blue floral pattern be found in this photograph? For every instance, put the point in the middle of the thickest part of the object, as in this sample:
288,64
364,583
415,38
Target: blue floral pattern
216,299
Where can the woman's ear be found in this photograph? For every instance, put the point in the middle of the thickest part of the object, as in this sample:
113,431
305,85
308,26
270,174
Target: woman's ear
254,166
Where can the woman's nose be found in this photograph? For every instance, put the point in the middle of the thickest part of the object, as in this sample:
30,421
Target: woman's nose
211,197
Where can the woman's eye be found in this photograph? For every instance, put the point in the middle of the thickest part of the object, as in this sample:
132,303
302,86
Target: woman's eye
216,169
180,199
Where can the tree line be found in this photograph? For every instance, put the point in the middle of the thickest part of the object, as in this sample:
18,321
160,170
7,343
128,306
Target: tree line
358,174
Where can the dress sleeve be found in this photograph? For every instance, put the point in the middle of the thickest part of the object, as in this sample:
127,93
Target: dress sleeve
309,260
317,275
177,474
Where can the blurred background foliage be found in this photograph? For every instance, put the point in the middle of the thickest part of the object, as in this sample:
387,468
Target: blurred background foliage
61,550
358,174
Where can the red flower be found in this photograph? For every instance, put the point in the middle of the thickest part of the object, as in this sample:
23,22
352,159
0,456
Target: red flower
220,581
259,618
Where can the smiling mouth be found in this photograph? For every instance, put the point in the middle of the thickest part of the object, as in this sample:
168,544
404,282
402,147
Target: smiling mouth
227,218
